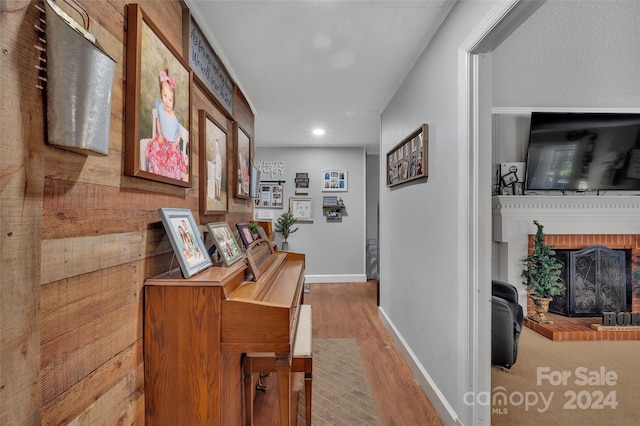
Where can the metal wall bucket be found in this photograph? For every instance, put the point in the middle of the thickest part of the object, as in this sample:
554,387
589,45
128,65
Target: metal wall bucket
79,82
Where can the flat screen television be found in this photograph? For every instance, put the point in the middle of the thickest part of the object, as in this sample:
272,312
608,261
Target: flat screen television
583,152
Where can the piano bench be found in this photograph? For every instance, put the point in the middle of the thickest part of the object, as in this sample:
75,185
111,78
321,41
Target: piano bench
301,362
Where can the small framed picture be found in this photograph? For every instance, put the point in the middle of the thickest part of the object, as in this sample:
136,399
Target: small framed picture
186,240
506,190
226,244
245,233
301,208
518,188
329,201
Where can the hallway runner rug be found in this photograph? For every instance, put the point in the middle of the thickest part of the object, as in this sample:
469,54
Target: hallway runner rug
341,393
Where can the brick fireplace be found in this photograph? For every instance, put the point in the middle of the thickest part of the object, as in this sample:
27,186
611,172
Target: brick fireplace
612,241
570,222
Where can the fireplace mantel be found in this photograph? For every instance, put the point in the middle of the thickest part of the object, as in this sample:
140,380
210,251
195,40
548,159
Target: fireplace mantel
513,218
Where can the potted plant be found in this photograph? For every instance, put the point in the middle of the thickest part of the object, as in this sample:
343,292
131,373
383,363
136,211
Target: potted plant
253,226
542,272
284,226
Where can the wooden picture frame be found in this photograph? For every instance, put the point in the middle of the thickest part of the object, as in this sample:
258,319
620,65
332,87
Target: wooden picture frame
409,159
214,150
245,233
226,245
301,208
334,180
185,238
156,71
242,161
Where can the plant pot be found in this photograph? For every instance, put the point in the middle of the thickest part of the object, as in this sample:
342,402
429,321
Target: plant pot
541,306
285,245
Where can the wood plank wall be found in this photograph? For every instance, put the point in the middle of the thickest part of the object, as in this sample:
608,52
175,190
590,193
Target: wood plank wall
79,238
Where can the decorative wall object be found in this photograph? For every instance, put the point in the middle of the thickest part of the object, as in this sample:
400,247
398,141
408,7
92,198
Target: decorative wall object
186,241
243,160
209,70
79,82
271,168
158,104
271,195
302,183
226,245
409,159
334,180
214,148
301,208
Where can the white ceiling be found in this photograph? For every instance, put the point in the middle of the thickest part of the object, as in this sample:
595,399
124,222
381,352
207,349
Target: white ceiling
321,63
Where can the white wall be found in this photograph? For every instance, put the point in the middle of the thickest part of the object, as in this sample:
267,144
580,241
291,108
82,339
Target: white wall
335,251
572,54
423,235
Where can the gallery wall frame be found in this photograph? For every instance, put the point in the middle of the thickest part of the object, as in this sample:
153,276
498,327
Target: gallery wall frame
409,159
334,180
301,208
186,241
242,161
214,151
226,245
156,71
271,195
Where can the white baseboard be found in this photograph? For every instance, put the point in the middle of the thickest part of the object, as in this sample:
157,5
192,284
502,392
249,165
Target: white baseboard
445,411
347,278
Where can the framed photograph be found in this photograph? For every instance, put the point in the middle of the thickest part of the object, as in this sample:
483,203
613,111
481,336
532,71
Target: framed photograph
334,180
226,245
518,188
186,241
158,104
301,208
245,233
270,195
408,160
243,160
214,146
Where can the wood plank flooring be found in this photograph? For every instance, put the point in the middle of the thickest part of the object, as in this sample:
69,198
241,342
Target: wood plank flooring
349,310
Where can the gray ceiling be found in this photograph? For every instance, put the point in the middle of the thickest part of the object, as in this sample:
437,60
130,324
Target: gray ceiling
333,64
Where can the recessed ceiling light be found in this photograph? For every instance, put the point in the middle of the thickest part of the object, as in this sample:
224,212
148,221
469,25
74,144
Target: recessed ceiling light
318,132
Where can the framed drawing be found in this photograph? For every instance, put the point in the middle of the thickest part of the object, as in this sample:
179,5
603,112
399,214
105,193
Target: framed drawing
334,180
245,233
158,104
243,159
225,243
213,165
186,241
409,160
301,208
270,195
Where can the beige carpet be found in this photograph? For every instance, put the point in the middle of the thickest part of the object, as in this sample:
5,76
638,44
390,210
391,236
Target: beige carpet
341,393
599,387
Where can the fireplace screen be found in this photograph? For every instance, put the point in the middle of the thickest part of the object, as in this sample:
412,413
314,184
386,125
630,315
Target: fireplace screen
595,279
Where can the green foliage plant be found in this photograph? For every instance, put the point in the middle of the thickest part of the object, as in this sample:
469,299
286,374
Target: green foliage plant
542,269
284,225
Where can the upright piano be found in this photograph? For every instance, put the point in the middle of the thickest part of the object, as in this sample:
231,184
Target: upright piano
197,329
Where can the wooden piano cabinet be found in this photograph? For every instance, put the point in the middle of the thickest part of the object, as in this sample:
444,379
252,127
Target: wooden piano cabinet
188,379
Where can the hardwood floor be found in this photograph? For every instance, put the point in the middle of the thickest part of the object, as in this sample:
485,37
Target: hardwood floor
349,310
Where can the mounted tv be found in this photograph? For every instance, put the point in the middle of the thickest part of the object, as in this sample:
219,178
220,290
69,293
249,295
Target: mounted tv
583,152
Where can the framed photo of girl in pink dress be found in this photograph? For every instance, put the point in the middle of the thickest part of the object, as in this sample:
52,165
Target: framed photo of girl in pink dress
158,105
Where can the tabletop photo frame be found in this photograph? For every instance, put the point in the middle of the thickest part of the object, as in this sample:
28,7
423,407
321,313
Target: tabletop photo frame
186,241
156,71
226,245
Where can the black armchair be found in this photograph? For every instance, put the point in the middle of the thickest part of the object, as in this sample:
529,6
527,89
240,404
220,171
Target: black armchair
506,324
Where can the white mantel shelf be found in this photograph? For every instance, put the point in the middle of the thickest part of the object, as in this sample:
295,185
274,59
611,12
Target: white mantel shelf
513,217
